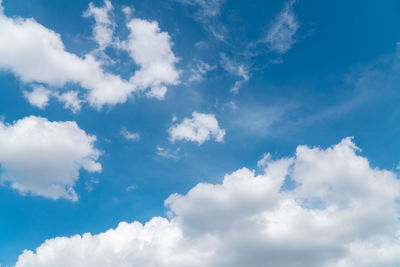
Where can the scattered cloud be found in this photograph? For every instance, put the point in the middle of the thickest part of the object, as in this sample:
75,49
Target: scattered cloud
38,97
43,158
89,185
131,188
71,100
329,219
167,153
37,55
199,70
200,128
103,28
235,69
280,37
132,136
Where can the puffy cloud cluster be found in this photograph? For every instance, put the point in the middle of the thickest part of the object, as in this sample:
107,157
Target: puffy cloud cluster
44,158
37,54
341,213
200,128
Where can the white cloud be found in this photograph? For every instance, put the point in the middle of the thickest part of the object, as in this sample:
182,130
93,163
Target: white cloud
151,50
280,37
133,136
131,188
263,162
200,128
157,92
44,158
89,185
37,54
71,101
235,69
38,97
208,8
103,28
200,70
167,153
341,213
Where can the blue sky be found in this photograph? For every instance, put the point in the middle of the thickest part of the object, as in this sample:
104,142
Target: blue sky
193,91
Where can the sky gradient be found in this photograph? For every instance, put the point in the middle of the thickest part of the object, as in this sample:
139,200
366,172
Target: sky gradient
199,133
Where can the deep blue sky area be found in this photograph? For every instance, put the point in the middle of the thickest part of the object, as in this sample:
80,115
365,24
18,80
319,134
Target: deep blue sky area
339,77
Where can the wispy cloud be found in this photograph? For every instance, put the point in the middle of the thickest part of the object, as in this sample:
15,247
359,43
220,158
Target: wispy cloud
132,136
280,37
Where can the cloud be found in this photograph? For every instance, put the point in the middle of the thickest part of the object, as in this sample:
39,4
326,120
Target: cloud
43,158
341,213
71,100
208,11
103,28
280,37
37,54
235,69
38,97
199,70
129,135
151,50
200,128
167,153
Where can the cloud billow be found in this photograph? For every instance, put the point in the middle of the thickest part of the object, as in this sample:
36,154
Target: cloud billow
329,219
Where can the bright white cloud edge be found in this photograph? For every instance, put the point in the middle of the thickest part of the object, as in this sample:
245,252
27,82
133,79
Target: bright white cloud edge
342,212
43,158
200,128
37,54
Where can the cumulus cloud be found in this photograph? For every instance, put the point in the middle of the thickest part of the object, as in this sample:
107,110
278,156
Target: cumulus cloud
280,37
103,28
38,97
200,128
151,50
37,54
43,158
342,212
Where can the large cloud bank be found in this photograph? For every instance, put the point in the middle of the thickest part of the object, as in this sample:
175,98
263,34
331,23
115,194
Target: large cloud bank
341,212
43,158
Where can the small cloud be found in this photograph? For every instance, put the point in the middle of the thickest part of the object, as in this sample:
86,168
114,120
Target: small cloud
38,97
89,185
168,154
235,69
71,100
132,136
200,70
200,128
131,188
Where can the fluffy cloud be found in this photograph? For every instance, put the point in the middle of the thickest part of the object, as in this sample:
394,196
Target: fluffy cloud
44,158
37,55
341,213
151,50
103,28
38,97
71,100
281,33
200,128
